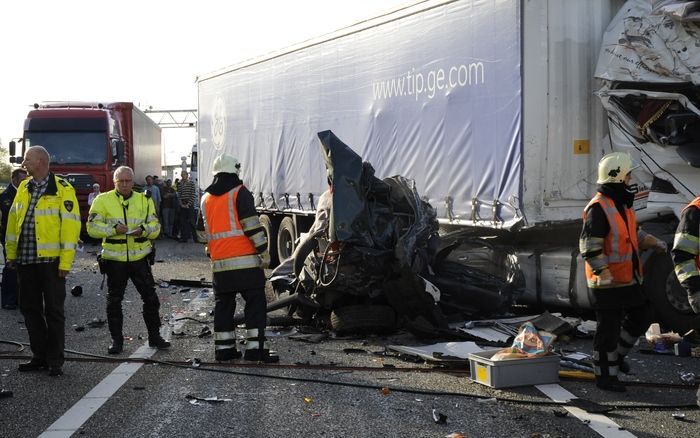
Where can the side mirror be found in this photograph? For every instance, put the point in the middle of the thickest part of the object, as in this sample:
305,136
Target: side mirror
121,150
118,152
13,147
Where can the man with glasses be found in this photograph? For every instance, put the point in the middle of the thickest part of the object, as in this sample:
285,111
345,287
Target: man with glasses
126,221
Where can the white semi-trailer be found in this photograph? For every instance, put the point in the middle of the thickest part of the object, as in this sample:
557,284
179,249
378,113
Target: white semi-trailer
498,109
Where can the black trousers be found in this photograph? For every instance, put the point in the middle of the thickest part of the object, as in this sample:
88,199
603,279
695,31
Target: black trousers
634,321
41,296
8,288
187,223
139,272
255,310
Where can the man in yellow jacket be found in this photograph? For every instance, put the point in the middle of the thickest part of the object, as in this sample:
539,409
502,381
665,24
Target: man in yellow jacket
126,221
42,235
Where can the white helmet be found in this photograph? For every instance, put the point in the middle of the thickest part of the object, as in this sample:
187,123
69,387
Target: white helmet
226,164
614,167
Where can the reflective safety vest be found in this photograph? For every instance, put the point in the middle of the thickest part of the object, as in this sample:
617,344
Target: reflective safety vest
109,209
57,221
619,246
690,244
229,248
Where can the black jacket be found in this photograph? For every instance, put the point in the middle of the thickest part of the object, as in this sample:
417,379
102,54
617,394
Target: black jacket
6,199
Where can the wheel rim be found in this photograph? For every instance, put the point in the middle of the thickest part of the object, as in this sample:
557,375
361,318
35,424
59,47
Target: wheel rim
286,244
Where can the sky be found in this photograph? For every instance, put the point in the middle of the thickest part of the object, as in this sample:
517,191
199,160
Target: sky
147,51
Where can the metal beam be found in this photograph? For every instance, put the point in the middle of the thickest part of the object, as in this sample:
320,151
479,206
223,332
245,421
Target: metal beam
185,118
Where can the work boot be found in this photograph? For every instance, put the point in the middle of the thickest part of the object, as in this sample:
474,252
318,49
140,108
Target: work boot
117,346
114,323
227,354
55,371
261,355
610,383
158,342
623,365
33,365
255,348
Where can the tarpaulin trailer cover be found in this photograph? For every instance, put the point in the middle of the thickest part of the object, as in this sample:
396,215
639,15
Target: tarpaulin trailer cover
434,96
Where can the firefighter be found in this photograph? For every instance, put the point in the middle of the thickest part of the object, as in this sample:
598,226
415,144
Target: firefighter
126,221
237,247
43,229
610,242
686,255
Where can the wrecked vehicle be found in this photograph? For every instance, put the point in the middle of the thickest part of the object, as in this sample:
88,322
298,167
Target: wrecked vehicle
373,259
490,108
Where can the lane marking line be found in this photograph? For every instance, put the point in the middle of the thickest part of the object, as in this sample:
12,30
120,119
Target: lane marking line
601,424
79,413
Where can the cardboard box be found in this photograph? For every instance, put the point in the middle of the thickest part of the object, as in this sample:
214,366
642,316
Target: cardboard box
513,372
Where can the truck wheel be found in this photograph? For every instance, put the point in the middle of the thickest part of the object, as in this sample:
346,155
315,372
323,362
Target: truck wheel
363,318
271,234
286,236
668,298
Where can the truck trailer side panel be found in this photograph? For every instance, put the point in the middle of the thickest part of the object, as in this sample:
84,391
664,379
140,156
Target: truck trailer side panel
147,146
432,92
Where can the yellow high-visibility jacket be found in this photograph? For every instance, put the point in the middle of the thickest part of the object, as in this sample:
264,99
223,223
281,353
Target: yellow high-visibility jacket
57,220
109,209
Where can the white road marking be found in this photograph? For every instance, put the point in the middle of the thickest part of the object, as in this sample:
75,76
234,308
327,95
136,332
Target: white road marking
76,416
599,423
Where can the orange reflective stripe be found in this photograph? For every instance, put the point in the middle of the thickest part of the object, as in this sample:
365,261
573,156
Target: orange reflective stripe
620,243
226,236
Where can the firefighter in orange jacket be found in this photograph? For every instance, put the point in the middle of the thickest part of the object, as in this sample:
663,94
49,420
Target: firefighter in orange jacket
237,247
610,243
686,255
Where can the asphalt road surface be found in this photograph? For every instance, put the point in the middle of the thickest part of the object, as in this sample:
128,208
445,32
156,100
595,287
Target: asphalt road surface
339,387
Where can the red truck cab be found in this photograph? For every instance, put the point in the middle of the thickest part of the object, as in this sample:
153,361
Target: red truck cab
87,141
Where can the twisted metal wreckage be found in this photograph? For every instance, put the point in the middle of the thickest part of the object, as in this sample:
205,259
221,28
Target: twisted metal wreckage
373,259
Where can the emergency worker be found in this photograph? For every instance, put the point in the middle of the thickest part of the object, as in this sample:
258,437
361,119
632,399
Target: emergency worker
610,243
126,222
686,255
42,235
8,288
236,246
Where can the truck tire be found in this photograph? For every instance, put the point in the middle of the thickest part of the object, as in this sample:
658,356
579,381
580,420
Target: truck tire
286,237
363,318
667,296
271,233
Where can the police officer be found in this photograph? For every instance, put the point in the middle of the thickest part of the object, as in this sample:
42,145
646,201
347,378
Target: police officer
236,241
126,222
42,235
686,255
610,243
9,276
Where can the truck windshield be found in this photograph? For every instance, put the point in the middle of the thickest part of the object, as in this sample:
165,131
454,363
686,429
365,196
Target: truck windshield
71,147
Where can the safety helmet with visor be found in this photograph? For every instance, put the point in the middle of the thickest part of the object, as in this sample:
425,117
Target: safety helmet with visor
614,167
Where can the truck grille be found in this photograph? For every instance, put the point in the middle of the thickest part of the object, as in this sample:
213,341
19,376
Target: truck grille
79,181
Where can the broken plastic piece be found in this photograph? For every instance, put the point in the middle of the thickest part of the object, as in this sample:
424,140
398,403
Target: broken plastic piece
687,377
196,362
439,418
96,322
206,331
76,291
194,399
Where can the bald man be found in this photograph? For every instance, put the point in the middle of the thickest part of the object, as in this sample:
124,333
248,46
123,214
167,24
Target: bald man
42,235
